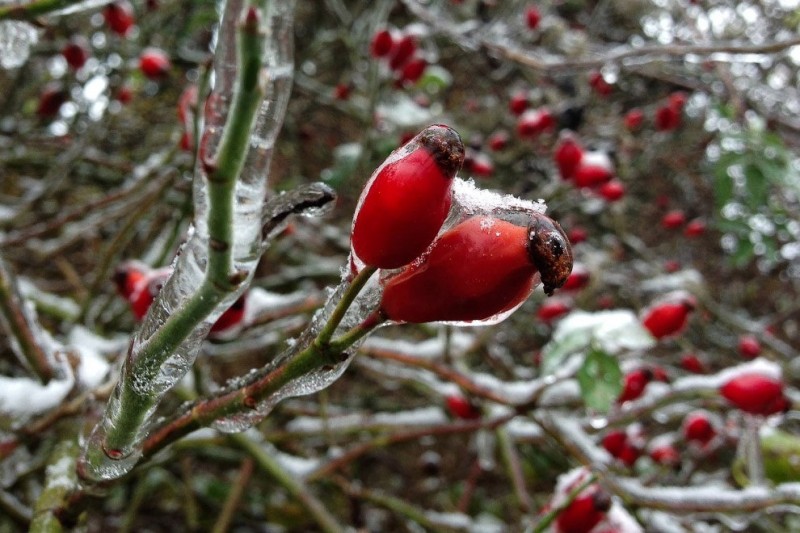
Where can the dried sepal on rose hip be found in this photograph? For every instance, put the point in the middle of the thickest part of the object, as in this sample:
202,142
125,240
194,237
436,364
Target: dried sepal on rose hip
479,270
407,199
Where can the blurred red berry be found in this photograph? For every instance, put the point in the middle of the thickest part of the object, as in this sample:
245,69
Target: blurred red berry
757,394
52,97
691,363
125,94
407,199
578,279
154,63
532,17
585,512
665,454
413,70
697,427
612,190
599,84
673,219
402,52
577,235
381,44
534,122
634,119
695,228
667,118
232,316
518,103
119,17
481,165
634,384
76,52
749,346
668,318
594,169
462,408
567,155
498,140
677,100
552,309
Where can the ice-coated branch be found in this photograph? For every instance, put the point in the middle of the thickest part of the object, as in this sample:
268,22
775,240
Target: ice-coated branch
19,321
243,115
309,364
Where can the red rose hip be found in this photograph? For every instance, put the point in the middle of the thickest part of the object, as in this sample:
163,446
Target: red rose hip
407,199
757,394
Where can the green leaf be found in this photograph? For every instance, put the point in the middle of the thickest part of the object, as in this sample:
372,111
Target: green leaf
556,351
600,379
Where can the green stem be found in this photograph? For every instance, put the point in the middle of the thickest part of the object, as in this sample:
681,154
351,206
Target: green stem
234,497
344,304
60,481
136,400
33,9
295,487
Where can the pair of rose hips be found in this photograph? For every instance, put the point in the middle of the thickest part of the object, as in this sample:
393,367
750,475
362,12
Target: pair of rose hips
481,267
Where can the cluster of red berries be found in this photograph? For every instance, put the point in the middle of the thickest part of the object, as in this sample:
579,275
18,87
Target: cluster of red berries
139,285
591,170
401,53
480,268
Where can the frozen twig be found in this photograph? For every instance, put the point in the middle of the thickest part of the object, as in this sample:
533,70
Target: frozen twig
267,462
23,329
234,496
61,480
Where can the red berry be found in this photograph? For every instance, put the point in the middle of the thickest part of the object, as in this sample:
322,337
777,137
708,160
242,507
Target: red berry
76,52
756,394
666,455
146,291
481,165
232,316
634,385
667,118
749,346
673,220
498,140
187,142
585,512
51,99
691,363
154,63
125,94
402,52
578,279
614,442
672,265
677,100
128,277
694,228
599,84
479,269
381,44
577,235
462,408
407,199
119,17
612,190
341,92
634,119
532,17
668,318
552,309
697,427
413,71
594,169
567,155
518,103
533,122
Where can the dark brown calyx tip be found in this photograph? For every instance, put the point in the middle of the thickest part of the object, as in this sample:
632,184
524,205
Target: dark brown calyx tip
444,145
601,501
550,251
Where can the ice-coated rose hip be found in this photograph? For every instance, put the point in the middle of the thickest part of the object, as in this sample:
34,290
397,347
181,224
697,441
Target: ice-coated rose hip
479,269
407,199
